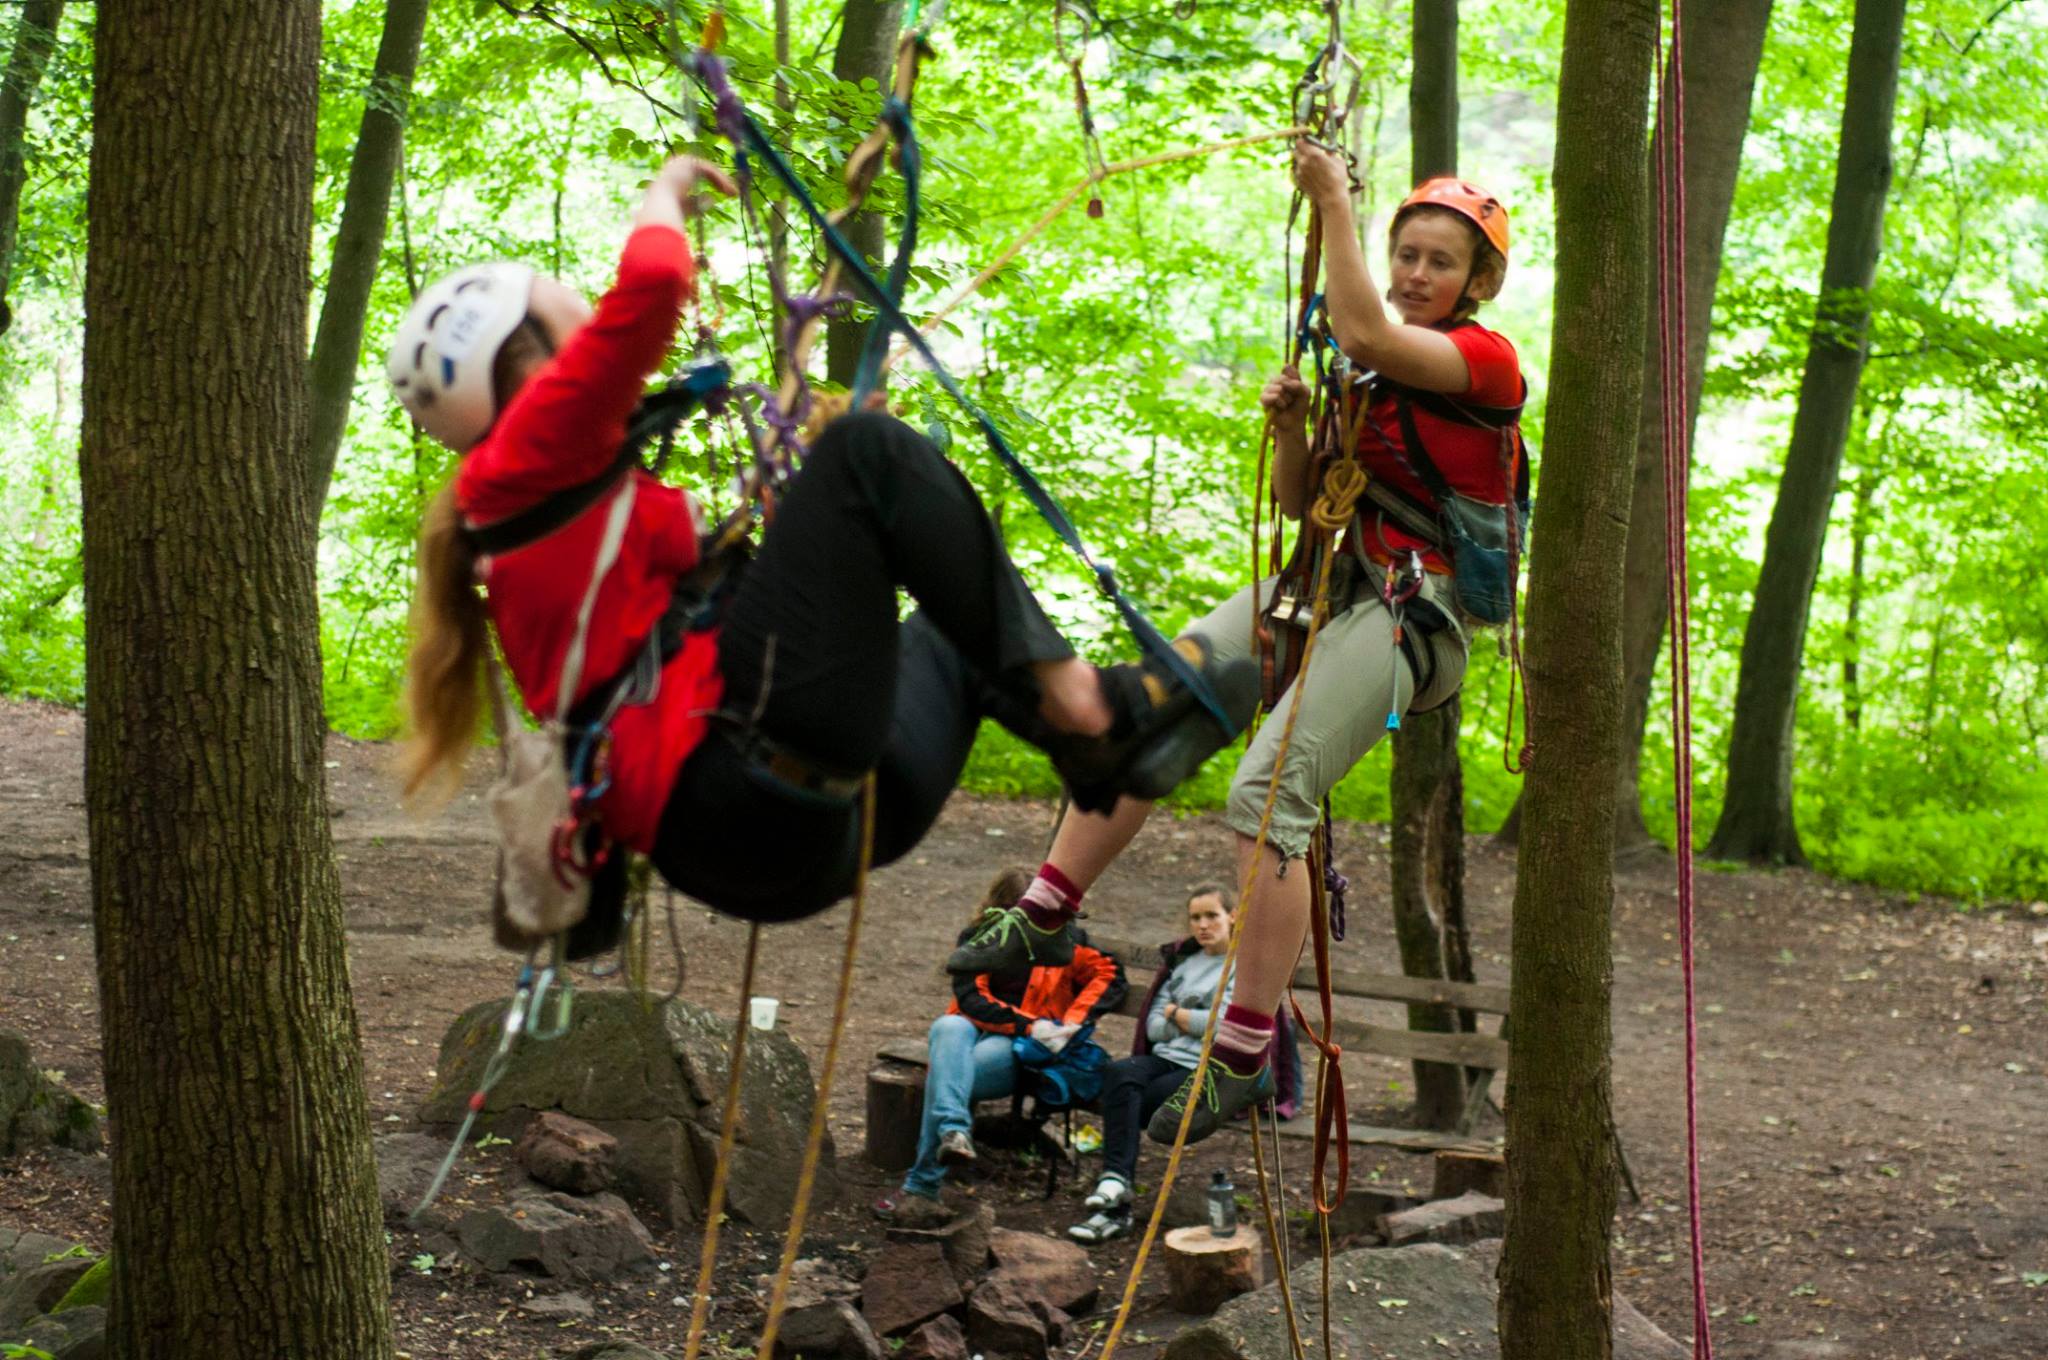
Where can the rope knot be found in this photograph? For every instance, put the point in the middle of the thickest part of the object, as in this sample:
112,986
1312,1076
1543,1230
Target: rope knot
1343,484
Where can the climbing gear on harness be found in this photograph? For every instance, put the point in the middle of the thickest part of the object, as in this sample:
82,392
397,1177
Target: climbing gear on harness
439,363
530,995
1464,198
1223,1093
751,142
1006,944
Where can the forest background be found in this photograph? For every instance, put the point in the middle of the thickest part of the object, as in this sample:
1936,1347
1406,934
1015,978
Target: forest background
1125,352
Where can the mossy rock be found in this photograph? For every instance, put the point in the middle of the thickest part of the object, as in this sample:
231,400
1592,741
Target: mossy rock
91,1289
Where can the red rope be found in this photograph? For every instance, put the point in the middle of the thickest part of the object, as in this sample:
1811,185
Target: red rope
1677,431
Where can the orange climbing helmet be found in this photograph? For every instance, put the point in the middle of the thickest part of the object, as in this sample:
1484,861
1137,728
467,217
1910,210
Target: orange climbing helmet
1466,199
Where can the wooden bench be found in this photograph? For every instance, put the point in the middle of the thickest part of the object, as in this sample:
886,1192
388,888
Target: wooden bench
896,1082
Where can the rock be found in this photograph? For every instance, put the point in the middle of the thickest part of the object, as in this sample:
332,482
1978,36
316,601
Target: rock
406,1163
1362,1209
965,1241
654,1079
1003,1324
560,1236
91,1289
567,1154
1446,1309
1471,1217
833,1328
35,1111
812,1280
907,1283
566,1305
943,1338
614,1350
1060,1273
30,1292
20,1250
75,1334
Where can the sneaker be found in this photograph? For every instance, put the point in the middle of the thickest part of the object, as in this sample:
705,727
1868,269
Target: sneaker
1224,1093
1162,733
1111,1192
1008,943
1102,1227
956,1149
906,1209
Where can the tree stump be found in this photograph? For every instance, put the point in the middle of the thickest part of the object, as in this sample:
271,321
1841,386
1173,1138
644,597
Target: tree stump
895,1114
1458,1172
1204,1271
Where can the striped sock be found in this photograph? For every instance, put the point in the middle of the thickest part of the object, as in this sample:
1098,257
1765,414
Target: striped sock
1242,1037
1052,899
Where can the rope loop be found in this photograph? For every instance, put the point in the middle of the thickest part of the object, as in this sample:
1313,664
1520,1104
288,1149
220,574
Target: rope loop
1343,484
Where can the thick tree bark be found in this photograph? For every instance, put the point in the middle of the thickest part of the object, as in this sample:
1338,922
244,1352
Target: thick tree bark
1556,1275
1757,821
1433,91
35,38
1724,42
1425,782
866,51
359,241
246,1222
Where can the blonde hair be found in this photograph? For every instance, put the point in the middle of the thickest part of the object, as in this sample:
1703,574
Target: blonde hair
450,637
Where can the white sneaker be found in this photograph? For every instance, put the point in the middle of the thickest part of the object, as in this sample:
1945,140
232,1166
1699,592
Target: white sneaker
1111,1192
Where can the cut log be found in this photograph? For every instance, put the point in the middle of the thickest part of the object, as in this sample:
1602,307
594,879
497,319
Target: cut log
895,1114
1204,1271
1457,1172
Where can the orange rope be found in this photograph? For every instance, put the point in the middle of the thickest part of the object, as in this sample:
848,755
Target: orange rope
728,1135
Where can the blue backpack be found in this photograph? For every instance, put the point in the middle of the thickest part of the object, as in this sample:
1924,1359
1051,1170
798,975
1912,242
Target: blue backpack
1068,1078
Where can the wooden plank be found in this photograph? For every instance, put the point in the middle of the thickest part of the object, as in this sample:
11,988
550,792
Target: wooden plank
1465,1050
913,1051
1487,997
1302,1128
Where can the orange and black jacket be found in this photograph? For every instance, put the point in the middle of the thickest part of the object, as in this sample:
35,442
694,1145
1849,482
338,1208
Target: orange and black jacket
1090,986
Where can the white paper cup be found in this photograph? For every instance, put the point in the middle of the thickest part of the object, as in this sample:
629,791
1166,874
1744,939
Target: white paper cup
762,1011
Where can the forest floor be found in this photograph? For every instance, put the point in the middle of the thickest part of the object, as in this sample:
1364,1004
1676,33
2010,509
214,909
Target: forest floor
1874,1102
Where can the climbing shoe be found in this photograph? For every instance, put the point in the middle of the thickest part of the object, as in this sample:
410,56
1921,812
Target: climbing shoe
1224,1093
1161,733
1008,944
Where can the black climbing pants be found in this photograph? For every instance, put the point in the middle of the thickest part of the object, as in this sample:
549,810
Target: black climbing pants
817,663
1133,1089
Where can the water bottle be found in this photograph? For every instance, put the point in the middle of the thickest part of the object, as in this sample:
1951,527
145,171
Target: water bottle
1222,1205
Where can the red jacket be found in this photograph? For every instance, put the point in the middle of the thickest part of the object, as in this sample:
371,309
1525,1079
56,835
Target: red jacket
564,427
1089,987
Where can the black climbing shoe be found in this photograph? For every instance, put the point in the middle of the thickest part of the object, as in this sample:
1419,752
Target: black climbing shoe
1224,1093
1008,944
1161,733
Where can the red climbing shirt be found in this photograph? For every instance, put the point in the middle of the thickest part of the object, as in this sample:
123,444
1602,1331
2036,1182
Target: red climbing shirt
565,427
1468,456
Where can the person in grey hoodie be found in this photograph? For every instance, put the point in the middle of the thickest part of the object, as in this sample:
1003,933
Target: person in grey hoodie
1134,1087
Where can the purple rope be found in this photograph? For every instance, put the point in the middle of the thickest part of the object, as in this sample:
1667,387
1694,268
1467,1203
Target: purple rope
1335,885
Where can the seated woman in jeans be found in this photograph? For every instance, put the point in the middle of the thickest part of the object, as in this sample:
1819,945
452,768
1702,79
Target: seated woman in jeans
1168,1044
971,1055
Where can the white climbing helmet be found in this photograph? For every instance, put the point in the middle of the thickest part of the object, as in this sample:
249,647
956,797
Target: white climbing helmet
440,361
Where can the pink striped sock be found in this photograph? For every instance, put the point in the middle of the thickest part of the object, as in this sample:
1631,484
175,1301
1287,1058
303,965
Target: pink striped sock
1051,900
1242,1037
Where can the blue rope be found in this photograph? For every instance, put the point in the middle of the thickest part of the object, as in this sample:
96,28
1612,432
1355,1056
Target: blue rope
709,72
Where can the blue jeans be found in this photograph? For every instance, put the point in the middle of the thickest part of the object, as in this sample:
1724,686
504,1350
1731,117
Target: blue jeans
966,1064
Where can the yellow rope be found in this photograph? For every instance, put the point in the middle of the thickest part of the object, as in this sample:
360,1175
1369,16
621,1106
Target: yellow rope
806,1181
1059,210
1315,624
728,1135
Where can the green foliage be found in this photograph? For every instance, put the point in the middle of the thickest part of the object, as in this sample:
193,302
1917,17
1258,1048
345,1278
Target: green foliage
1124,354
21,1350
91,1289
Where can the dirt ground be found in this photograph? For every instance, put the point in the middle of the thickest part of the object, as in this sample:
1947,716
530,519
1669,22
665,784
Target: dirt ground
1874,1103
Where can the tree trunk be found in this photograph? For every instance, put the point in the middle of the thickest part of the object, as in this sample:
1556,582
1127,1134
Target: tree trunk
1852,626
245,1214
35,37
866,51
1425,777
1756,812
1433,91
1556,1273
359,241
1724,42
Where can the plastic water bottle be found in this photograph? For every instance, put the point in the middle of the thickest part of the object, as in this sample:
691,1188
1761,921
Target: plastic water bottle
1222,1205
